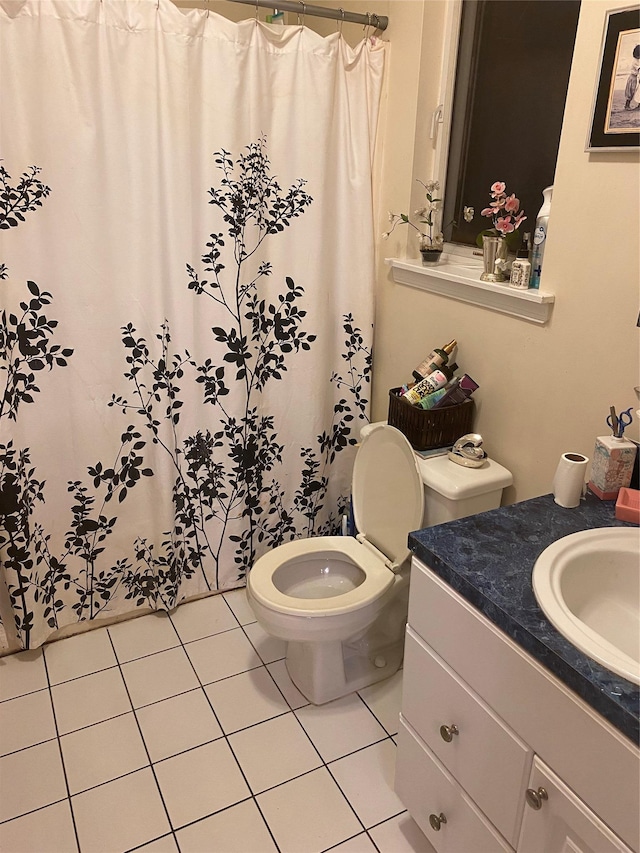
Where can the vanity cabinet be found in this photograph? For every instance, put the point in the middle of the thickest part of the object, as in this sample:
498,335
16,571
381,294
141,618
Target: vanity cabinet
494,752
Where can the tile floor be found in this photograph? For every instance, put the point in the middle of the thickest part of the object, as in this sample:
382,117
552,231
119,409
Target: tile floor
185,733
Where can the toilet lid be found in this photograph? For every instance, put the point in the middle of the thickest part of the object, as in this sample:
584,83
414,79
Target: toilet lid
387,492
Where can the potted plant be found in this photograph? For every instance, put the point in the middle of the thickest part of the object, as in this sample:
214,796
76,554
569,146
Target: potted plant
506,216
431,239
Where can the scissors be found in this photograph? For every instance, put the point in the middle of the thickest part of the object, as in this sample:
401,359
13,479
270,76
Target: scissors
618,423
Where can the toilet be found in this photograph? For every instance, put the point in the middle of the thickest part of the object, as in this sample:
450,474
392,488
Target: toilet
340,602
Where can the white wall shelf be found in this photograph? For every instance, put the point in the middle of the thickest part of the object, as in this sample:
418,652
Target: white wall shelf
456,279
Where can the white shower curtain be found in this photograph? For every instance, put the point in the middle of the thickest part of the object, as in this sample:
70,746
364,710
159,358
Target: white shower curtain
186,299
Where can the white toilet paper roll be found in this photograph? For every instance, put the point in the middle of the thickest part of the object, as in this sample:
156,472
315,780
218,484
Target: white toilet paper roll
569,479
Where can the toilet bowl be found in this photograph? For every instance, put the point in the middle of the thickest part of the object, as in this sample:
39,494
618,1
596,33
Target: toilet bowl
340,602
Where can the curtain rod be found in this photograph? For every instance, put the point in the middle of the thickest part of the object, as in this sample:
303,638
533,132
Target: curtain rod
379,22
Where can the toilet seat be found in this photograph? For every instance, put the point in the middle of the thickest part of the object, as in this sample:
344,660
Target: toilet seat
388,502
377,578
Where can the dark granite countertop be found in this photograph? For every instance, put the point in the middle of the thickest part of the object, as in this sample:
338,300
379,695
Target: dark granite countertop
488,558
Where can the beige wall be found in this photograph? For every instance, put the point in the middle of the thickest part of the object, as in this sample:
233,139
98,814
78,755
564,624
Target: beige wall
544,390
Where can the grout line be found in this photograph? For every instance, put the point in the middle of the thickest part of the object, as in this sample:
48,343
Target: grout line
374,715
64,767
22,695
226,738
144,744
33,811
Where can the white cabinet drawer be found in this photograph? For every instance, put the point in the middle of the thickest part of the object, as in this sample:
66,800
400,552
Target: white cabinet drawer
426,789
490,762
563,822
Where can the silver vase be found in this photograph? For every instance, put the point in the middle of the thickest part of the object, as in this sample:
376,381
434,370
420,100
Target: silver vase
494,256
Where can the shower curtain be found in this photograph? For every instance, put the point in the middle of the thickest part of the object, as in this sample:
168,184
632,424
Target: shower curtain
186,295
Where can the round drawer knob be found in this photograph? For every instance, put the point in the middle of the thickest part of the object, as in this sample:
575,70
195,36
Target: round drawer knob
436,821
535,798
447,732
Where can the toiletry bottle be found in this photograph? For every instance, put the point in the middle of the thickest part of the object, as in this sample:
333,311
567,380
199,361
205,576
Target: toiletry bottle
437,379
431,400
435,359
540,238
458,393
521,267
612,466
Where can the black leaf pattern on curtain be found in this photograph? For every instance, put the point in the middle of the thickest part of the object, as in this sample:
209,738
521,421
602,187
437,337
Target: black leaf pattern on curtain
224,476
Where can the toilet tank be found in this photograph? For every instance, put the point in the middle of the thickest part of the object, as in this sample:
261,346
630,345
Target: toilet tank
453,491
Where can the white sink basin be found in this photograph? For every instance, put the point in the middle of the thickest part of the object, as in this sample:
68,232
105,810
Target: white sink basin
588,586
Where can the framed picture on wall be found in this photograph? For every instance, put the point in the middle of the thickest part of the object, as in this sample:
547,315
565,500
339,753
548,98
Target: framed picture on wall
615,118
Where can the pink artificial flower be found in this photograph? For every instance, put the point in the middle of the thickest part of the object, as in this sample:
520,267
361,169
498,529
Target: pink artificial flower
512,204
519,218
505,225
488,211
498,188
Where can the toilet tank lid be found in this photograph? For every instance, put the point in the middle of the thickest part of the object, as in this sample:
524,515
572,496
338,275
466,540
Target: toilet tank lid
458,483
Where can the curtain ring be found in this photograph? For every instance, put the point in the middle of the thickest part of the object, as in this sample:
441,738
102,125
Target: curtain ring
304,9
208,7
341,22
257,11
367,26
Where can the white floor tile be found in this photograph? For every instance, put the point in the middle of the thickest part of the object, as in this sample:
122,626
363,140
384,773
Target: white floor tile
244,699
372,803
400,835
30,779
199,782
278,670
360,844
385,698
274,752
103,752
48,830
239,829
269,648
308,813
340,727
194,620
237,601
22,673
145,635
177,724
120,815
90,699
159,676
222,655
79,655
25,721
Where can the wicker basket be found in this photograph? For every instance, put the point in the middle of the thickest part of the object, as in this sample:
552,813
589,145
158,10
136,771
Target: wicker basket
429,428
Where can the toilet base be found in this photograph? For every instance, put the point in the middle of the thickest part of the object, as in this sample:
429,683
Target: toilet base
326,671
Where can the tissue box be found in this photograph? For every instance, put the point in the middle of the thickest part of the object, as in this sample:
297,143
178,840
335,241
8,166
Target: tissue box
612,466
